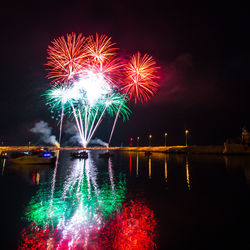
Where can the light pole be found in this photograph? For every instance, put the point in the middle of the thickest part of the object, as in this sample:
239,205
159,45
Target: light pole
29,145
165,139
138,138
149,140
186,132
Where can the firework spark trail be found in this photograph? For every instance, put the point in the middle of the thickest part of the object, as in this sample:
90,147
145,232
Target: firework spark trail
56,99
112,131
80,118
92,124
97,124
86,122
61,122
81,126
86,119
78,126
116,104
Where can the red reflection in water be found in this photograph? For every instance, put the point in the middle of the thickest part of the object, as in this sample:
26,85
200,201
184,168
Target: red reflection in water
34,237
132,228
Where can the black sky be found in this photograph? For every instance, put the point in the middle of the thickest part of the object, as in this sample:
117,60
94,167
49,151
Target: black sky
202,49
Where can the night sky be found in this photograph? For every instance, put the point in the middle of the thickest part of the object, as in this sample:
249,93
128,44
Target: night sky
201,48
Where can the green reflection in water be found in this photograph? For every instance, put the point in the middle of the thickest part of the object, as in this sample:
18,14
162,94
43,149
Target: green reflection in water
79,197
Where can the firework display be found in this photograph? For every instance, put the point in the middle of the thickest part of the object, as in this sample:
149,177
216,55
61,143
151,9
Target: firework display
88,80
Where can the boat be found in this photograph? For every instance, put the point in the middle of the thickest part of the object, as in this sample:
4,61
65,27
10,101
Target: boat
148,153
3,155
79,155
106,154
37,157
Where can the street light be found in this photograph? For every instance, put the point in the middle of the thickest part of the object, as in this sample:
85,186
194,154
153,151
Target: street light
150,136
165,139
29,145
186,132
138,138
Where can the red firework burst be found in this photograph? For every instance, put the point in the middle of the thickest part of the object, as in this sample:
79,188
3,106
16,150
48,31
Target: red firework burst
140,83
100,48
69,57
66,58
102,58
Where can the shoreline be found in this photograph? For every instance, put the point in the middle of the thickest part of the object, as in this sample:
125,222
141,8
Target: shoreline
226,149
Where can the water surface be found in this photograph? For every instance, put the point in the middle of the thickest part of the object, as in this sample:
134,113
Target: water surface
128,201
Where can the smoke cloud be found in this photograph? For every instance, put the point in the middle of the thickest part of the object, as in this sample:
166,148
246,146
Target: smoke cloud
72,134
42,128
182,82
97,141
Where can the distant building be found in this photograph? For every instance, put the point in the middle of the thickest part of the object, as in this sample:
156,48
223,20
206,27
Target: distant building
238,145
245,136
